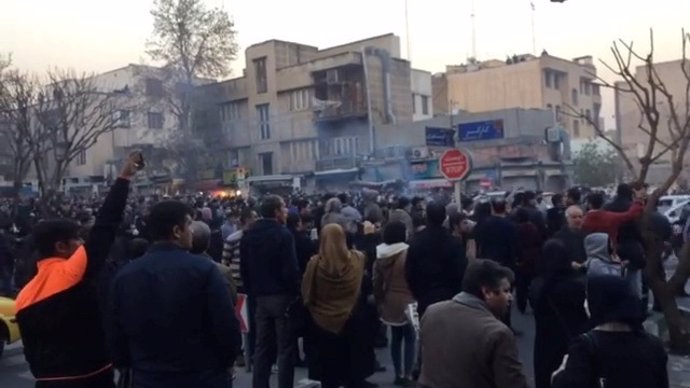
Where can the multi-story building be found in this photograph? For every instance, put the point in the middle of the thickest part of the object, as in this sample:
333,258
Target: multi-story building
299,109
145,122
629,116
567,87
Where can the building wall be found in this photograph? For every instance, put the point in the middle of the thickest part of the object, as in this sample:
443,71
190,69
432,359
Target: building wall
298,141
113,145
422,106
526,83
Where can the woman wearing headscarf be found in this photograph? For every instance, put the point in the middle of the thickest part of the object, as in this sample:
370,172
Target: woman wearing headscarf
332,289
617,352
558,298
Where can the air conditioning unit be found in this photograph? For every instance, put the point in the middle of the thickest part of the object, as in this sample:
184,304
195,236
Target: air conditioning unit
420,152
332,76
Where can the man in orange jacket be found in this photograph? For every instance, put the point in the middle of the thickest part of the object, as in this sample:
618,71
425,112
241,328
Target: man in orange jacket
58,311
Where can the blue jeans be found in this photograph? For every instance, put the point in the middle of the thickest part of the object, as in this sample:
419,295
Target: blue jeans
400,333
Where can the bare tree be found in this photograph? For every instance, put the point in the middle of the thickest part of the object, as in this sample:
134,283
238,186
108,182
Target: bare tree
665,119
18,95
72,114
193,42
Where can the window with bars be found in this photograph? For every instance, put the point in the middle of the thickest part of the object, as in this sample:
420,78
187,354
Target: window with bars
263,114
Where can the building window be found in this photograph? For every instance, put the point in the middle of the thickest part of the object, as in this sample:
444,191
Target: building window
122,119
576,128
595,89
81,158
155,120
414,103
558,112
262,111
154,87
229,111
266,162
425,105
547,78
260,69
596,110
300,100
557,80
574,96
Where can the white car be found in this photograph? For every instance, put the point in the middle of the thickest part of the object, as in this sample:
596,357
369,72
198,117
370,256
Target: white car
674,212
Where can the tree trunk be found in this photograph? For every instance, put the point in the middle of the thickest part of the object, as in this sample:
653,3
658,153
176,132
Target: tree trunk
656,279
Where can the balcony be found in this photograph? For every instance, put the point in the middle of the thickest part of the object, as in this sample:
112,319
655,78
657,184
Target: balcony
329,111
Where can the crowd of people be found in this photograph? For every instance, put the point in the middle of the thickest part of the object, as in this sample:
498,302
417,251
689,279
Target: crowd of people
148,287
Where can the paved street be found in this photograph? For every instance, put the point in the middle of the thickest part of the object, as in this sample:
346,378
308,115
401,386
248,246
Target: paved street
14,372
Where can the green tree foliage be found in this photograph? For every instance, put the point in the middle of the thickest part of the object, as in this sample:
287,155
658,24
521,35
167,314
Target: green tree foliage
596,166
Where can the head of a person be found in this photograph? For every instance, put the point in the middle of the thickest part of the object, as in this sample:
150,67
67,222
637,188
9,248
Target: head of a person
293,222
574,216
530,198
557,200
201,237
171,221
57,238
273,207
519,199
624,191
418,203
611,299
333,205
573,196
343,197
498,207
394,232
418,221
435,214
248,217
333,248
490,282
556,258
404,203
597,246
596,200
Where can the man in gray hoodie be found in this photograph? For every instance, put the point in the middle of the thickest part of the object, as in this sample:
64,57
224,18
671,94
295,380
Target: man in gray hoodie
599,259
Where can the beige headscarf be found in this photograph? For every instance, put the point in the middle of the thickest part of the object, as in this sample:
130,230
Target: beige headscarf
332,280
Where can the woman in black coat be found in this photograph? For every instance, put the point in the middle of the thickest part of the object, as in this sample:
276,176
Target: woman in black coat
557,298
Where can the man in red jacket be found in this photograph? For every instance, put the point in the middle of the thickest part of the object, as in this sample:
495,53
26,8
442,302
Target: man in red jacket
601,221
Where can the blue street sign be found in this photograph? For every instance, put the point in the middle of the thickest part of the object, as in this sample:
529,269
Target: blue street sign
439,137
481,130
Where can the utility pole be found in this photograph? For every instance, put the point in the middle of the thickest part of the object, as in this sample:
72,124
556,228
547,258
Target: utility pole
474,32
407,31
534,28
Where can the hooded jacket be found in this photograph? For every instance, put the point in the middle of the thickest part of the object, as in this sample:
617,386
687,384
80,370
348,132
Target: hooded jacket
598,258
268,260
390,285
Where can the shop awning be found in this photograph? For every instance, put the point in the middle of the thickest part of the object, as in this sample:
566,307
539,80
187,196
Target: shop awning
425,184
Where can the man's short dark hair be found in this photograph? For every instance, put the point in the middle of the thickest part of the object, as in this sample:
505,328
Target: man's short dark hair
394,232
499,206
574,194
435,213
596,200
485,273
416,200
270,205
624,191
556,199
403,202
50,232
343,198
164,216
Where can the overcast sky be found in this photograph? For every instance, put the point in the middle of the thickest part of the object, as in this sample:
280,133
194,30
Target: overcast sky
99,35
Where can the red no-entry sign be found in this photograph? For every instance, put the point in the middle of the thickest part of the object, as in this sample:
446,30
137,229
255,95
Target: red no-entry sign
455,164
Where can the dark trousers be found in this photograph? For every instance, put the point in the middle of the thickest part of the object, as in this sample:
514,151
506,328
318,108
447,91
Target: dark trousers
102,380
273,332
522,282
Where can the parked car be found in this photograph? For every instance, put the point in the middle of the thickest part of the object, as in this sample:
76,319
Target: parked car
9,330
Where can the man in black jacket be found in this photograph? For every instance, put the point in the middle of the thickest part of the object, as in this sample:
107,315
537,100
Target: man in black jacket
271,275
435,262
59,311
173,323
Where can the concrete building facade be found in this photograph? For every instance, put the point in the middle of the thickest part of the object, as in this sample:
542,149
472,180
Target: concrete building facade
298,109
566,87
629,117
